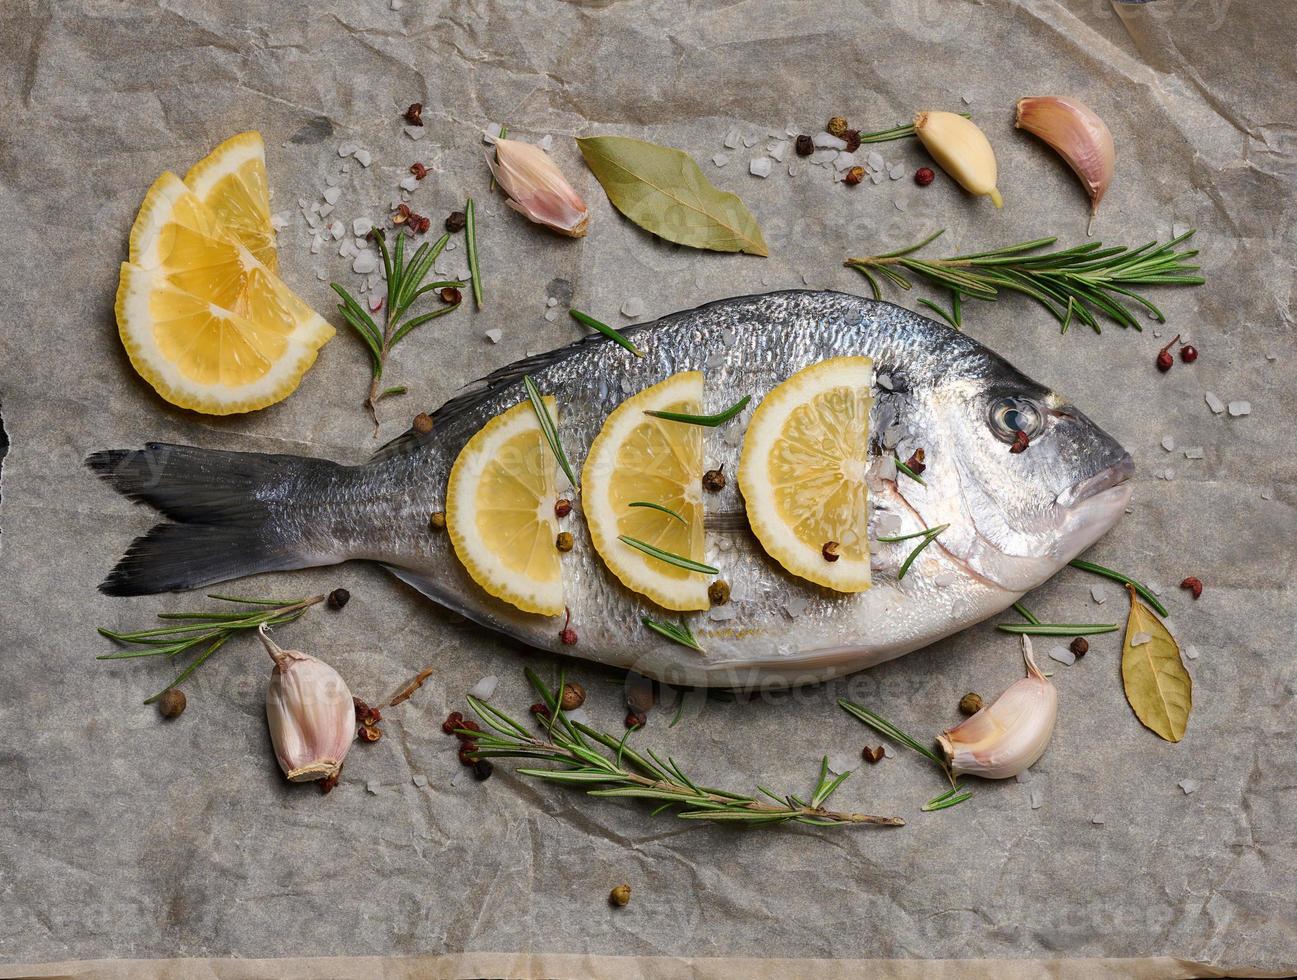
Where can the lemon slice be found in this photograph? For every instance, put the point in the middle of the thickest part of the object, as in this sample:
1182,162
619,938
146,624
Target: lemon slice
637,458
202,357
500,511
802,472
179,238
231,181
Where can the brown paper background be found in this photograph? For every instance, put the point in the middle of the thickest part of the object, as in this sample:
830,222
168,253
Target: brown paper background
122,838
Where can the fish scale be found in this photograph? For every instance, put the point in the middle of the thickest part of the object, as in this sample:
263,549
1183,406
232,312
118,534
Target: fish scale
1008,533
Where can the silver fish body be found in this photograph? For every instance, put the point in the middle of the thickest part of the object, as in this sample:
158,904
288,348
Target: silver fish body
1015,518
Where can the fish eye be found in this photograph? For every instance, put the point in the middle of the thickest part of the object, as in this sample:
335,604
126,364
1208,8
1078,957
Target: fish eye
1010,415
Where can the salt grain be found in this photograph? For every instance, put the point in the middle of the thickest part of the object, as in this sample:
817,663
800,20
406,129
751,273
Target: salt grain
1036,799
336,230
484,688
1213,402
363,157
551,315
827,141
409,183
761,167
844,161
364,263
347,149
1188,785
900,205
884,381
944,580
414,132
897,171
1098,594
889,752
1063,655
795,606
396,4
1168,443
633,307
1140,638
315,245
325,210
494,335
1097,820
778,151
1267,494
720,159
1193,452
749,141
551,301
1191,652
1240,408
875,160
732,139
331,194
1168,474
360,227
372,787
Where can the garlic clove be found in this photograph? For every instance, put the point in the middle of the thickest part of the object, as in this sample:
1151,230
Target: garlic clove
1007,736
962,150
1078,135
310,714
537,189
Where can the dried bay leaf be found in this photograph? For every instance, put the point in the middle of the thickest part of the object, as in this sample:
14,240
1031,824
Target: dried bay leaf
663,191
1158,687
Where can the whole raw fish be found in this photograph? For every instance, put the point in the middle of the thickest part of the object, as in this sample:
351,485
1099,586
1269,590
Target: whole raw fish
1015,517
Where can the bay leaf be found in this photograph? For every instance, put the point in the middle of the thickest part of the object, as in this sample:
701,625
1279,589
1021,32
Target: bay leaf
663,191
1158,687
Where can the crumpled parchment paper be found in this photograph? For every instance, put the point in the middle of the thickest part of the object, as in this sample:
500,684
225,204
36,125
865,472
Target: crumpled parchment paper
123,837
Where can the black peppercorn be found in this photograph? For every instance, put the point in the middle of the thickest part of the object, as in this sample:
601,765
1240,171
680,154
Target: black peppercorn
805,146
338,598
482,769
455,221
714,480
1080,646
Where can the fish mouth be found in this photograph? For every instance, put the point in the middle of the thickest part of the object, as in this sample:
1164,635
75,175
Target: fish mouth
1106,479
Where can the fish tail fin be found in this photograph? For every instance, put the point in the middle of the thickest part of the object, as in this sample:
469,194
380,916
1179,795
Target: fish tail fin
226,508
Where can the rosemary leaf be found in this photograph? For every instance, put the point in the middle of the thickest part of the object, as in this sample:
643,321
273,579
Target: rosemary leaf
607,331
681,634
658,507
903,468
928,538
1089,566
1057,629
1025,613
711,421
951,797
549,429
688,564
470,246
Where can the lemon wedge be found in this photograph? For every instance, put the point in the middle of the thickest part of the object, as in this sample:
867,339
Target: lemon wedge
500,511
802,472
637,459
202,319
232,182
202,357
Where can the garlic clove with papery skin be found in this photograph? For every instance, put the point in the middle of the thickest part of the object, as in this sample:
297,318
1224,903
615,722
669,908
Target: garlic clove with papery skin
537,189
1007,736
310,714
962,150
1078,135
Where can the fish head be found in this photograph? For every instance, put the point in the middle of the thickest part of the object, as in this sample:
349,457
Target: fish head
1016,517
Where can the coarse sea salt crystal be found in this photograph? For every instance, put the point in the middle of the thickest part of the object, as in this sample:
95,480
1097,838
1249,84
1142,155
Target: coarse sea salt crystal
360,227
761,167
1191,652
1188,785
1063,655
750,141
409,183
551,301
944,580
1240,408
492,132
778,151
1140,638
321,275
732,139
372,787
1213,402
347,149
546,142
364,263
633,307
315,245
841,763
1193,452
884,380
494,335
722,613
1098,594
363,157
875,160
795,606
551,315
331,194
414,132
419,780
396,4
1036,797
326,210
844,161
889,752
897,171
484,688
827,141
1168,475
876,177
1097,820
1267,494
720,159
1168,443
887,468
900,205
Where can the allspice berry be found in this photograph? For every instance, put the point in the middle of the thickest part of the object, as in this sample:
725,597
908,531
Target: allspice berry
573,696
423,423
620,895
438,520
970,703
854,176
1080,646
831,551
837,126
564,541
714,480
172,703
719,592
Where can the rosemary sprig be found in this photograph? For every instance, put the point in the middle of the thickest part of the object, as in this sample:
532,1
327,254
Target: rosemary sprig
928,535
953,796
405,284
1057,629
1025,613
711,421
622,772
613,335
470,246
903,468
898,132
1089,566
658,507
680,633
1077,282
670,557
203,629
549,429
